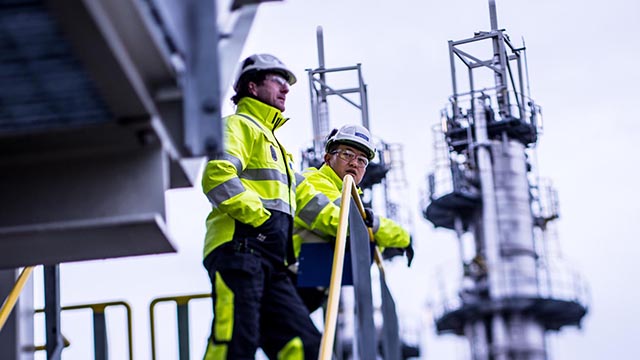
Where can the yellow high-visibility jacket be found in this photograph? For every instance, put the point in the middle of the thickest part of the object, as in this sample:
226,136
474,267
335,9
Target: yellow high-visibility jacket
318,197
253,179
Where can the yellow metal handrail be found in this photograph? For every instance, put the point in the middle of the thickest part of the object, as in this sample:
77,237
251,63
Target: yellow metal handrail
182,300
12,298
331,318
349,190
98,308
66,343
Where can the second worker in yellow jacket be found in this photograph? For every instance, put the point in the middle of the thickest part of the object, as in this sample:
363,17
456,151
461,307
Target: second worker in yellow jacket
318,194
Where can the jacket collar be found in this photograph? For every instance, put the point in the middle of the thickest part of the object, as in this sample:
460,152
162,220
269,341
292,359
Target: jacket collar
327,171
267,115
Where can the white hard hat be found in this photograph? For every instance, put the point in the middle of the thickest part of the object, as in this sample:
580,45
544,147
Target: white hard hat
352,135
258,62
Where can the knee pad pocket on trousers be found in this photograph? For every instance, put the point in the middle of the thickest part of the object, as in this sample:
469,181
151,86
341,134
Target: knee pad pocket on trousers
293,350
224,310
215,351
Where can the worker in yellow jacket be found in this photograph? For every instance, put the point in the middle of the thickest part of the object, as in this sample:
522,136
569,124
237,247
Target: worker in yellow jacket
248,239
348,150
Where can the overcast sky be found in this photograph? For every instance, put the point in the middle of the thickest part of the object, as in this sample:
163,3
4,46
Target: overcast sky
582,60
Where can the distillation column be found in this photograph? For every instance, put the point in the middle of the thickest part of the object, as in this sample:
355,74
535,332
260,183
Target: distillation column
505,235
503,307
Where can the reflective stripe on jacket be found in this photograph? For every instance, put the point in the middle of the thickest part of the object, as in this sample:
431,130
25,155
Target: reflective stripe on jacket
318,211
254,176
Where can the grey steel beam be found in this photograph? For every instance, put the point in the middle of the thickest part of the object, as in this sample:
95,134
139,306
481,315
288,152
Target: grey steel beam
232,42
94,206
202,93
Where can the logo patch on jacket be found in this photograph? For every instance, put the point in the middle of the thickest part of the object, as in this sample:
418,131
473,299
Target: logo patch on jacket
274,155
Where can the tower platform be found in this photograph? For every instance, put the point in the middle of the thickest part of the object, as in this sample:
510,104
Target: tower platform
553,314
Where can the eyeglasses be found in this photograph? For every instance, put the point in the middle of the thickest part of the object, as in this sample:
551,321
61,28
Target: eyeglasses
349,156
278,80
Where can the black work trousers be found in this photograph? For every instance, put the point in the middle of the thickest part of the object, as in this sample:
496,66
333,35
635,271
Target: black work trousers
255,304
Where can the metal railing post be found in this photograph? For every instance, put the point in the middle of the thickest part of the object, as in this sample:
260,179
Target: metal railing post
55,343
101,351
183,329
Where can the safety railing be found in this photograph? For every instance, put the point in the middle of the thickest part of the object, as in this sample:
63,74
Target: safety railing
331,318
351,220
14,294
65,343
182,308
100,338
100,341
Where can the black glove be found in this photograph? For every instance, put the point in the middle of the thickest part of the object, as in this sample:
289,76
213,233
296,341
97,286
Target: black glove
391,252
408,251
368,220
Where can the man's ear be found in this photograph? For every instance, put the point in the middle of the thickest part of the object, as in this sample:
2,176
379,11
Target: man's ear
253,88
327,157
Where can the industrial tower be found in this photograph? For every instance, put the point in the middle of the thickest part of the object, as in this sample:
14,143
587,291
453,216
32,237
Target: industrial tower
484,187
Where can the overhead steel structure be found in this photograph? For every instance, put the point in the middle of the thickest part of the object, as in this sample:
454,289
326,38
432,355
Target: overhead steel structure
104,105
484,187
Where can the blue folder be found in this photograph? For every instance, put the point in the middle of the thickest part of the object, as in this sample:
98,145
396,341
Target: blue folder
316,261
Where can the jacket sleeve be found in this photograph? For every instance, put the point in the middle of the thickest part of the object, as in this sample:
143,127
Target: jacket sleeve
391,234
221,182
316,208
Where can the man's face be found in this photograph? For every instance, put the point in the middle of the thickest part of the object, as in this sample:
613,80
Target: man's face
347,160
272,91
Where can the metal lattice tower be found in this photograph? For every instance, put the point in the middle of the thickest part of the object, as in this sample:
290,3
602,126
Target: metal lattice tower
484,186
320,91
396,185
